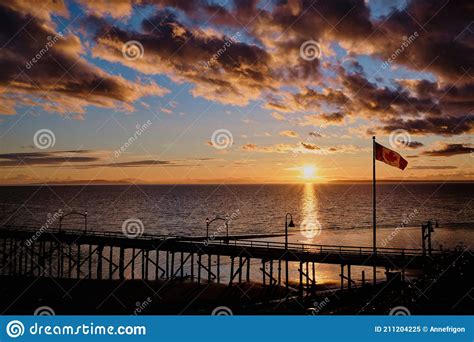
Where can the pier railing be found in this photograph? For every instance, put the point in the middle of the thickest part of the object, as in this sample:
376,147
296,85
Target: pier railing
115,255
230,240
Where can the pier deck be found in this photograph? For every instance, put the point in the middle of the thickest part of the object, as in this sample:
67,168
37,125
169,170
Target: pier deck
72,253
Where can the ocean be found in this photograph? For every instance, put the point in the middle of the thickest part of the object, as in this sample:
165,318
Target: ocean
330,214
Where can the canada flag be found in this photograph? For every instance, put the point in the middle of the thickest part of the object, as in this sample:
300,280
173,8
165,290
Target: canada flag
389,157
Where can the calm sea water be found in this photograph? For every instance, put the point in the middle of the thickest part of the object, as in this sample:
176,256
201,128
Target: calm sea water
182,209
334,214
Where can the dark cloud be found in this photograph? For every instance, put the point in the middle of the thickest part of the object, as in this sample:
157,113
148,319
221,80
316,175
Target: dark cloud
80,159
434,167
310,146
262,61
333,117
43,158
221,67
315,134
448,150
414,144
37,60
139,163
441,125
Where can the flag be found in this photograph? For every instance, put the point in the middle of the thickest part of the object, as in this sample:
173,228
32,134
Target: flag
389,157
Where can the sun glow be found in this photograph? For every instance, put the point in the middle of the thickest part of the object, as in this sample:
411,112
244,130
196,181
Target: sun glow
308,172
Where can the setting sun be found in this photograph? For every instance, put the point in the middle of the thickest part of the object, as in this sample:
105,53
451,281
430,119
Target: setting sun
308,171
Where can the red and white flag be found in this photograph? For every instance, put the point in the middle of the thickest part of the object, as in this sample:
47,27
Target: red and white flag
389,157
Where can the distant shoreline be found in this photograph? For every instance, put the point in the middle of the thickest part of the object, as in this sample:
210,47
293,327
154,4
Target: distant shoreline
108,183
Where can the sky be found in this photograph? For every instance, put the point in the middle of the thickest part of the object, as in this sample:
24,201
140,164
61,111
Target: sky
236,91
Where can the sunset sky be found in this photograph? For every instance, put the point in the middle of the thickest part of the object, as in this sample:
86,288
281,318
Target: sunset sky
242,91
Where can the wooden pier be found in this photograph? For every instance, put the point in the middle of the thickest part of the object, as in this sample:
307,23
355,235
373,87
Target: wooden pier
111,255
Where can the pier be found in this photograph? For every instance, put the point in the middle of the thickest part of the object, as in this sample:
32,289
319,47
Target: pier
79,254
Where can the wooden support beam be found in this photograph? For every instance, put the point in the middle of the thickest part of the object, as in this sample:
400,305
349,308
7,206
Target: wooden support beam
209,269
143,264
111,258
218,270
231,270
301,277
248,269
199,267
182,265
99,261
172,265
279,272
192,266
342,277
121,264
133,263
271,272
240,269
349,283
90,262
78,266
167,265
157,263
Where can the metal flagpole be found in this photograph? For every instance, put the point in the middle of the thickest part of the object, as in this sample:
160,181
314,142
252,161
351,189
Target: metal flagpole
374,217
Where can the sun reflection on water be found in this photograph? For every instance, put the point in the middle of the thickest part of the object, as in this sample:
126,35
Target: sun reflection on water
310,226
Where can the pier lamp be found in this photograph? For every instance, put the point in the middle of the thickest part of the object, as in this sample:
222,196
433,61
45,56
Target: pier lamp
291,225
62,217
85,221
208,223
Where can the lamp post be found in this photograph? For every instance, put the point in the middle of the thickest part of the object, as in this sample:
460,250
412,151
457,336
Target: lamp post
291,225
426,230
208,223
62,217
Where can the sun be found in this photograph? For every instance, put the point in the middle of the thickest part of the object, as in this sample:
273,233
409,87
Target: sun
308,171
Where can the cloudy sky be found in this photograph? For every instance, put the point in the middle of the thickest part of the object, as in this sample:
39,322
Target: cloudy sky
171,91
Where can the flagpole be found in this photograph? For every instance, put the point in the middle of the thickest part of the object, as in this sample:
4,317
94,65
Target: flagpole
374,216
